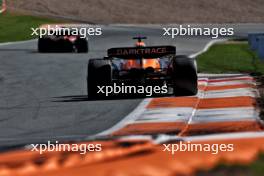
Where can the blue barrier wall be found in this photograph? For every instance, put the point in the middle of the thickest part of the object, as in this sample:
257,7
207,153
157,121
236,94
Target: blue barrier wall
260,49
253,40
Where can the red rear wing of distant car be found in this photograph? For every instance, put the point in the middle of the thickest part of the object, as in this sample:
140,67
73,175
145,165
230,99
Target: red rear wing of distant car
146,52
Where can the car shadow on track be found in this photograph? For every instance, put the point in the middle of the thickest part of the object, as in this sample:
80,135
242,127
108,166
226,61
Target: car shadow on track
83,98
73,98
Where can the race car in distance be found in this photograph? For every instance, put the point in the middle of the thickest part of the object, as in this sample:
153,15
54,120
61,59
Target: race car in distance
141,65
62,41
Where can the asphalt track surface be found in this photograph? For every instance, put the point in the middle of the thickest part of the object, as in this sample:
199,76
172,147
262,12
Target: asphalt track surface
43,96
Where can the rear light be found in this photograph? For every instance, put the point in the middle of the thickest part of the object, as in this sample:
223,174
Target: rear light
70,38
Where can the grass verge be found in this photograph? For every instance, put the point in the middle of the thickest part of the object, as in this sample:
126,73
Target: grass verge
230,57
17,27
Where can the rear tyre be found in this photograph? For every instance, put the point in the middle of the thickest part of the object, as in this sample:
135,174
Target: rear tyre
43,45
99,74
82,46
185,81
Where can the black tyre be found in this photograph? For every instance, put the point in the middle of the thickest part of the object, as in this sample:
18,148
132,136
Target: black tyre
99,74
185,81
43,45
82,45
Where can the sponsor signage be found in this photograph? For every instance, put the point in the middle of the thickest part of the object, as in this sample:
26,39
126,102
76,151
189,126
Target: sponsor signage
155,51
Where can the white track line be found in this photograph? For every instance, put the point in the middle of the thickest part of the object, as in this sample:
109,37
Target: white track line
19,42
224,136
240,135
228,82
207,46
201,95
239,92
165,115
220,76
226,114
130,118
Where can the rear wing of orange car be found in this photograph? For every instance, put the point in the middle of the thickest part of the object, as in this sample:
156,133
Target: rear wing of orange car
145,52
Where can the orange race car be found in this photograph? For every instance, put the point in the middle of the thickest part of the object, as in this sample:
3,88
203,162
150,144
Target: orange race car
142,65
